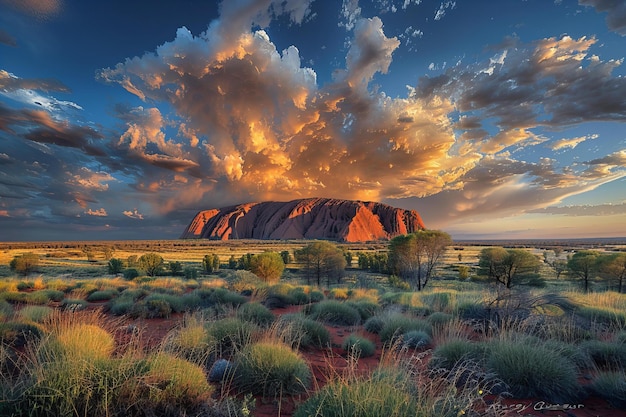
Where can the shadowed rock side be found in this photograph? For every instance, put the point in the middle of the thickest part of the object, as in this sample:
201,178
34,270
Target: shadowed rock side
313,218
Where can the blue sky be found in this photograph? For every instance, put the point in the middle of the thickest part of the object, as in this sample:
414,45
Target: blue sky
121,120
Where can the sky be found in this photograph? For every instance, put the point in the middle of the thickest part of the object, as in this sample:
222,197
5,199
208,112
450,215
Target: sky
493,119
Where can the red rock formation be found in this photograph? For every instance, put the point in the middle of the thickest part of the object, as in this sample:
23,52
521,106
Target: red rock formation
312,218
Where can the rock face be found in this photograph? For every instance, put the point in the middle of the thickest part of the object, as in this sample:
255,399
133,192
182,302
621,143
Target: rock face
313,218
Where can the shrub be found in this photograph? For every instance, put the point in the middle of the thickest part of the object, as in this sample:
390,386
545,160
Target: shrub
25,264
256,313
131,273
359,346
612,387
416,339
398,324
534,371
335,312
271,370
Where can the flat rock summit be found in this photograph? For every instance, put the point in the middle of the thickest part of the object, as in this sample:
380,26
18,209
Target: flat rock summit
311,218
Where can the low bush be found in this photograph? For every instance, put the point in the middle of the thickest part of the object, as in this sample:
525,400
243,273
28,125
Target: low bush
335,312
338,294
534,371
256,313
398,324
359,346
271,370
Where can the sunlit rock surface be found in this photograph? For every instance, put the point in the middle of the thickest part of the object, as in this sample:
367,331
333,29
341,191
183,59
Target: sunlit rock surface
312,218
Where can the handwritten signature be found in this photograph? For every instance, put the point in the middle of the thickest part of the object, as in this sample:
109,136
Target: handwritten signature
538,406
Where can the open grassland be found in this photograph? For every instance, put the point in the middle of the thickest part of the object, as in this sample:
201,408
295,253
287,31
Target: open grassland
75,340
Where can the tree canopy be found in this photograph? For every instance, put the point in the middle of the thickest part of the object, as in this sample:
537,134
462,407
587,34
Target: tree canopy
268,266
506,266
152,263
322,259
413,257
25,264
584,265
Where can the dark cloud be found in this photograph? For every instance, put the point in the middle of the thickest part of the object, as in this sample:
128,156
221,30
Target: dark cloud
7,39
616,13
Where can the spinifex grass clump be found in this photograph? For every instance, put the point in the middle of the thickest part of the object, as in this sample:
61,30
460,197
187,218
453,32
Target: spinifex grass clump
450,354
359,346
230,334
335,312
383,395
36,314
612,387
304,332
174,383
398,324
191,341
256,313
605,355
534,371
272,370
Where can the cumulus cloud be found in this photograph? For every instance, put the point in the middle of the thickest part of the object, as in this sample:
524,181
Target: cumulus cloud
101,212
570,142
616,13
133,214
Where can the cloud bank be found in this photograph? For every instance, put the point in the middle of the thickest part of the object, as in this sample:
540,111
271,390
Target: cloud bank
248,122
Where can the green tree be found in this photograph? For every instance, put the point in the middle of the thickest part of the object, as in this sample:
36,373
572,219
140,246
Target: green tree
152,263
211,263
176,268
320,260
115,266
25,264
348,256
286,257
413,257
584,265
613,266
507,266
268,266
